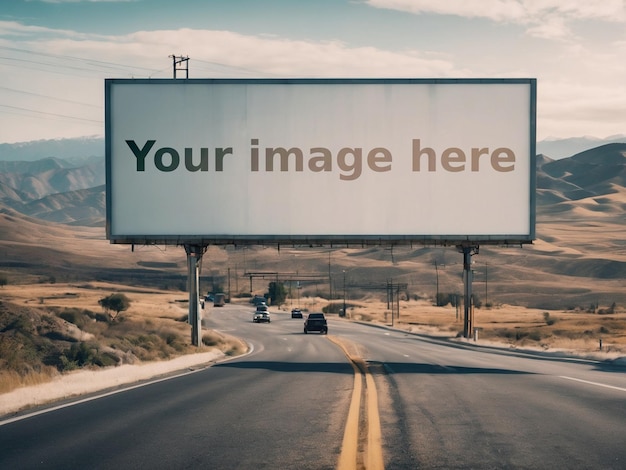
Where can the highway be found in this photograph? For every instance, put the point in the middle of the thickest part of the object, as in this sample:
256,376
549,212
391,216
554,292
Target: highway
288,405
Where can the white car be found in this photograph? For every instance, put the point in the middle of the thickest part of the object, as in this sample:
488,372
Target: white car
261,316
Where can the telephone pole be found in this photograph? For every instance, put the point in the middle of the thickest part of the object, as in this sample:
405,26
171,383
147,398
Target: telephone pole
180,64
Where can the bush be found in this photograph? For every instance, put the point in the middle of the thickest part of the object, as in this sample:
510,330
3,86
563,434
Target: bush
114,303
445,298
607,311
336,307
277,293
548,319
83,355
333,307
76,316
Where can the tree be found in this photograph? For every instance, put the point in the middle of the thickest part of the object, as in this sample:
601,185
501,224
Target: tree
114,303
277,293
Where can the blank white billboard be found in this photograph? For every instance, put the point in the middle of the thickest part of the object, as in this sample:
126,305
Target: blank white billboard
320,161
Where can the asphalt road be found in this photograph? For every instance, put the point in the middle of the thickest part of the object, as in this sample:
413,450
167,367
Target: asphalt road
447,406
285,406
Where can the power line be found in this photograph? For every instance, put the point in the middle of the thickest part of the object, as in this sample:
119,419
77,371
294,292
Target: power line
50,114
94,62
50,97
234,67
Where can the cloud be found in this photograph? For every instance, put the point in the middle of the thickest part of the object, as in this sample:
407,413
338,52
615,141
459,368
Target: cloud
579,88
236,54
18,31
549,19
47,72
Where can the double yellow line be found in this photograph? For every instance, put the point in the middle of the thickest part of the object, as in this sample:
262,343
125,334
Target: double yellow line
372,459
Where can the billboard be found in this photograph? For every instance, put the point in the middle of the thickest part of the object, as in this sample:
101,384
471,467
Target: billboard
320,161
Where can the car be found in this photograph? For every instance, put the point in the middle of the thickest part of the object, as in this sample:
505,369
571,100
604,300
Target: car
261,316
258,299
219,300
296,313
316,322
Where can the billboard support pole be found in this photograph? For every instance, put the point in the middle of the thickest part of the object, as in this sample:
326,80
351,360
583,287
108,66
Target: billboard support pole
194,257
468,251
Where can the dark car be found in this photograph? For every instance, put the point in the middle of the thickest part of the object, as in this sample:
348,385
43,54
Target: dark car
258,299
316,322
296,313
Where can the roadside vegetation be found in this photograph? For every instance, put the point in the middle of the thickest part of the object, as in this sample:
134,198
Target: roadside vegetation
41,338
597,331
52,329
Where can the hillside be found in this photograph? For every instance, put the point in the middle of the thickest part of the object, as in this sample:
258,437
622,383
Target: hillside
579,257
565,291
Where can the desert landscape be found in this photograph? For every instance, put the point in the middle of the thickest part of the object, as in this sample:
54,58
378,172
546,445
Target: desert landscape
564,294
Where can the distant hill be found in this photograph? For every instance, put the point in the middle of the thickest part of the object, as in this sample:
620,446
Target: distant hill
78,151
75,151
563,148
591,174
64,191
41,178
52,226
81,207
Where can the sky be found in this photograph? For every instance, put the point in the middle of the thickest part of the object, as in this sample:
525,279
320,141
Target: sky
56,54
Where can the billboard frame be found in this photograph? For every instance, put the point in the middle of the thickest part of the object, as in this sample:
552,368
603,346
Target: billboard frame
324,240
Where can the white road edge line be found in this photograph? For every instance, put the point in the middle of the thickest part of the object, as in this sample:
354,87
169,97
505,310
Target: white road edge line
95,397
200,368
593,383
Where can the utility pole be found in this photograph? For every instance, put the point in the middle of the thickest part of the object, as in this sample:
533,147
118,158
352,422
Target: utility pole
344,294
180,64
486,277
437,274
330,281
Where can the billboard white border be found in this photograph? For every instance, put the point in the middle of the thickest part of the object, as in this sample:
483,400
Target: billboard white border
324,240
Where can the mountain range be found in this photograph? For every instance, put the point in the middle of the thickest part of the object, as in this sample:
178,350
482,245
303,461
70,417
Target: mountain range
76,151
57,205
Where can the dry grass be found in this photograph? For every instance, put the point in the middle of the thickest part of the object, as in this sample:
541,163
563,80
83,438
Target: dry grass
575,332
154,327
48,324
10,379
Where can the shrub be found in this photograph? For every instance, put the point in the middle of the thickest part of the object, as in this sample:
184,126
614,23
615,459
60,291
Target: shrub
83,355
277,293
114,303
607,311
548,319
76,316
336,307
445,298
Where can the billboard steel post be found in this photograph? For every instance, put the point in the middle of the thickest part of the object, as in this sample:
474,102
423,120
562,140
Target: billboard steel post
194,257
468,251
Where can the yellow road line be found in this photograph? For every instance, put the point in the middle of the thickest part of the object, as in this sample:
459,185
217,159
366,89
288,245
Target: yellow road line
349,448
